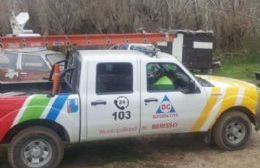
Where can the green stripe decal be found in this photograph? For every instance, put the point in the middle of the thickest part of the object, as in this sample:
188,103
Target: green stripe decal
35,108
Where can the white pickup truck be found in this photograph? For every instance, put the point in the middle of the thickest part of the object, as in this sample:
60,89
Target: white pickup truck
116,94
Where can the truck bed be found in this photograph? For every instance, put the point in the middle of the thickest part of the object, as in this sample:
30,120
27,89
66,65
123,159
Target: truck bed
18,89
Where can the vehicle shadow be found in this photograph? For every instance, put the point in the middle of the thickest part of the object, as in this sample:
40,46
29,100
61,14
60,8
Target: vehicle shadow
99,154
142,152
3,158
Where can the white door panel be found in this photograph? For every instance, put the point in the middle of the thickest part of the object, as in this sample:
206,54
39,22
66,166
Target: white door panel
169,111
112,115
173,112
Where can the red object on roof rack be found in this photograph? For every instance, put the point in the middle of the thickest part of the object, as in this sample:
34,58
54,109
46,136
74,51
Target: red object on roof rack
84,40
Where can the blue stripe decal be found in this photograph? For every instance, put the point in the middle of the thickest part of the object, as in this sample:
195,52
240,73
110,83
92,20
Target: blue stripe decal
56,107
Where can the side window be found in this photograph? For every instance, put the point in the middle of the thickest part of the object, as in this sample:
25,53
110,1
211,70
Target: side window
166,77
33,63
8,61
114,78
123,47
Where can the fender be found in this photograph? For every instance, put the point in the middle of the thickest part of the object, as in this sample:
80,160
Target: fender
62,109
6,123
9,109
229,103
219,103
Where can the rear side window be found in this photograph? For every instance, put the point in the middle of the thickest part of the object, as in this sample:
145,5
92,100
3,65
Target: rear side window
33,63
114,78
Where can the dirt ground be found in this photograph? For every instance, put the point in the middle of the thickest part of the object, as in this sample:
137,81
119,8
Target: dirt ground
182,151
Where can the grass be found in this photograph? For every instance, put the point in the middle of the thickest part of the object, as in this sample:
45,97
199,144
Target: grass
240,66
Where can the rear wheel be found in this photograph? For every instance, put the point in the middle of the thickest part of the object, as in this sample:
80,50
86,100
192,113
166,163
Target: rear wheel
232,131
35,147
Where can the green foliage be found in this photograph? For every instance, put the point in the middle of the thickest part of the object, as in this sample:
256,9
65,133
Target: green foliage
240,66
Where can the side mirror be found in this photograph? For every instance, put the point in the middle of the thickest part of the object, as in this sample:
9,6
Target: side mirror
191,88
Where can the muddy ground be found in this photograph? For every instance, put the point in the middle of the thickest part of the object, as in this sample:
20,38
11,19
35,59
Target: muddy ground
182,151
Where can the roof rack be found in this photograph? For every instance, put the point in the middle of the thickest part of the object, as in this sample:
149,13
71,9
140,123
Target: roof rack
84,40
150,51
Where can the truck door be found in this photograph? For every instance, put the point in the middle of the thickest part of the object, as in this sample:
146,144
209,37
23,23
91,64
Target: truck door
113,100
167,106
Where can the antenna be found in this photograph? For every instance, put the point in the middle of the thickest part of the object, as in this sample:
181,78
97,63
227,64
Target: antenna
18,22
22,18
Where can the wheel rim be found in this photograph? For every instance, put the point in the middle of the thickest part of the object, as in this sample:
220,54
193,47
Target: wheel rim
235,132
36,153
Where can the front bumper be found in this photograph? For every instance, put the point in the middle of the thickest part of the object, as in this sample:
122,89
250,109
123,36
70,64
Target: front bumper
257,117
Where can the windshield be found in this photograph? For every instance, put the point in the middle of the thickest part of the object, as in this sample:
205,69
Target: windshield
204,82
54,58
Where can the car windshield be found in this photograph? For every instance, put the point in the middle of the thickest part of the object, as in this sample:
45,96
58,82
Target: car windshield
54,58
204,82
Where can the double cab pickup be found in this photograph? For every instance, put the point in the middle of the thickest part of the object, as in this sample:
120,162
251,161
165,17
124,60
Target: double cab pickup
108,94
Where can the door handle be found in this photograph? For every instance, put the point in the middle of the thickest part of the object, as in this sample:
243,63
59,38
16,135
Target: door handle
98,102
150,100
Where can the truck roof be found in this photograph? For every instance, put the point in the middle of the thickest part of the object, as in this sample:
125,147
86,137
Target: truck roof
119,54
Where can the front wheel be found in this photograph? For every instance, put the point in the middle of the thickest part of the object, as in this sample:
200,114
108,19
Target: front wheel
35,147
232,131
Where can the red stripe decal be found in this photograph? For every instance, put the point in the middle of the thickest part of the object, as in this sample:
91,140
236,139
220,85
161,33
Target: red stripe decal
9,109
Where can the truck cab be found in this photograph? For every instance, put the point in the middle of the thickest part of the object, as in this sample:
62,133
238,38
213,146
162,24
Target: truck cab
107,94
136,94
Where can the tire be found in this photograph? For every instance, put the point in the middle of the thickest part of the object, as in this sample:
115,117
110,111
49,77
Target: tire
35,147
232,131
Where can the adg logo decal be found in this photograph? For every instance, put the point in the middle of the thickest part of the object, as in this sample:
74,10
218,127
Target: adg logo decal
165,106
165,109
